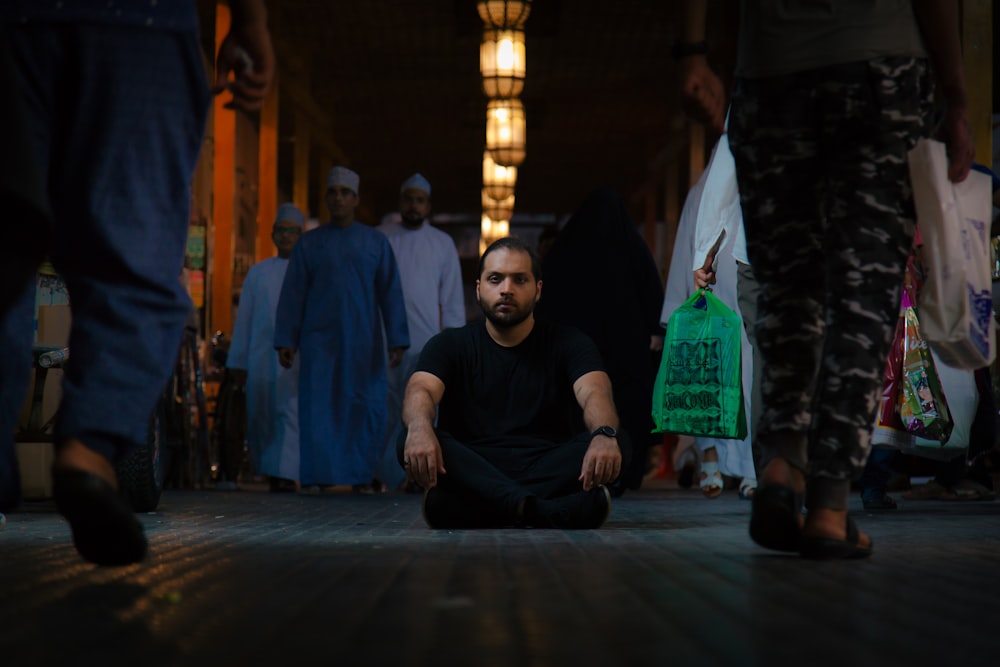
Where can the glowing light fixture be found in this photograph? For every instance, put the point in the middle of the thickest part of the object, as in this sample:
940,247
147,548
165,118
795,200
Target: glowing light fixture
504,13
505,132
502,63
498,180
497,209
490,231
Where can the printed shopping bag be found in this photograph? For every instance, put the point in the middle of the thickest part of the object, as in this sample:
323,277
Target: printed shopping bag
888,409
699,387
956,308
892,387
923,408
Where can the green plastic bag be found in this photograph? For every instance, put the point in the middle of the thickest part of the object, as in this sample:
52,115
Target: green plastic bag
699,387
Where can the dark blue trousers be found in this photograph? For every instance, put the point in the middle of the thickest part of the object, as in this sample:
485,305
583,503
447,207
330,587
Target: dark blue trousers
116,117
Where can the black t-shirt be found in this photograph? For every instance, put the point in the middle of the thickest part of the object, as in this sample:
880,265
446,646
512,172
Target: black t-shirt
517,396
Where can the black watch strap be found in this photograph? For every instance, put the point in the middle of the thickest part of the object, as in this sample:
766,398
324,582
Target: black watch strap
609,431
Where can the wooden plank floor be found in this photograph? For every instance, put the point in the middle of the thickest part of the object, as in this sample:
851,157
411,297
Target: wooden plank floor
251,578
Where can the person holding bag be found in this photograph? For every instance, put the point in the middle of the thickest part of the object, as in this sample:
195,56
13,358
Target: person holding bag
710,226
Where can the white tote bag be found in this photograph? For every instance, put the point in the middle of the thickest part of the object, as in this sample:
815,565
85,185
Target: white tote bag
955,302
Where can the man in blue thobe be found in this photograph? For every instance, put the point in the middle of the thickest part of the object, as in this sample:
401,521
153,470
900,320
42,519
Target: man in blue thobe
341,286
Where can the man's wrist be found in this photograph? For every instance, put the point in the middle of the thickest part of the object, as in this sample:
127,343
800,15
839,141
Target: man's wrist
605,430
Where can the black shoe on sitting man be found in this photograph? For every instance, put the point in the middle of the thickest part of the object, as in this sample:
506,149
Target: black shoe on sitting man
446,509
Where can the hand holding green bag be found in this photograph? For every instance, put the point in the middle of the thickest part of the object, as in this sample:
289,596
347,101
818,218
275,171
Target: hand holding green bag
699,387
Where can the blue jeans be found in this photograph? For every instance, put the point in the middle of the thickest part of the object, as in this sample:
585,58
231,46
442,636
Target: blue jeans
116,117
878,469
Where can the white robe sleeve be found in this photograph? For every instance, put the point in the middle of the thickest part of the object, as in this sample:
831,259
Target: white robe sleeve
451,294
718,213
680,281
239,346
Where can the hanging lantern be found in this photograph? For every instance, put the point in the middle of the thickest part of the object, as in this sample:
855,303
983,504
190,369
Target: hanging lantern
498,180
497,209
490,231
504,13
502,62
505,132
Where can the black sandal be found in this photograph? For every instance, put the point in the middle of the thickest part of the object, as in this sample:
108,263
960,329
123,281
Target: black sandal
105,530
774,519
828,548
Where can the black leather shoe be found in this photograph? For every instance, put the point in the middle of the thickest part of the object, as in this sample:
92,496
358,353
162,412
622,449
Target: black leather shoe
446,509
105,530
582,510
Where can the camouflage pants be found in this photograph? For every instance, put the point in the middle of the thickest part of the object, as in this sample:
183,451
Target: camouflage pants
821,166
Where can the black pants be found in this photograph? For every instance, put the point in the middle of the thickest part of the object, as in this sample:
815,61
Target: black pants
497,478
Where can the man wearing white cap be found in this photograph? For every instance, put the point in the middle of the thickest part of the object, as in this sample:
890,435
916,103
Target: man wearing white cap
341,287
272,391
432,290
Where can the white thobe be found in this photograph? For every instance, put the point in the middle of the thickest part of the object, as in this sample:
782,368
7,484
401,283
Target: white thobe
711,208
272,391
432,290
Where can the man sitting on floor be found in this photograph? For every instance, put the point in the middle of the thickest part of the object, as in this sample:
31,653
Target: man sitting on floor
510,448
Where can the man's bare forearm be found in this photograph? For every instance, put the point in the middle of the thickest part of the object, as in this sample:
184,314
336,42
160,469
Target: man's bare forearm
418,409
248,12
938,21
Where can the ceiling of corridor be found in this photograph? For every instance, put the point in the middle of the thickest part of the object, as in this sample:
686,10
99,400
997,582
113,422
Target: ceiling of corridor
398,82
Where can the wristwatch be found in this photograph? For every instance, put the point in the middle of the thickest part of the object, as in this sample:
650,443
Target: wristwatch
604,430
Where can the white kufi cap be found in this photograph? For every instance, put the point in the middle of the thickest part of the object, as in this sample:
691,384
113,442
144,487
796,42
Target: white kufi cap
345,177
289,212
416,182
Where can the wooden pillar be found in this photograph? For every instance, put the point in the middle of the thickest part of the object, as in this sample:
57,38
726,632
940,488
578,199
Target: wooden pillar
696,153
224,162
300,164
267,178
977,56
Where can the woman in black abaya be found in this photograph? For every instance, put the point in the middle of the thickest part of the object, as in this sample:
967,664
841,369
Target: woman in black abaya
600,277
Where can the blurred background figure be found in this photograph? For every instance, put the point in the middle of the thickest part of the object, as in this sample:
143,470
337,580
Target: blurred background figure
341,291
432,290
546,239
600,277
712,206
272,391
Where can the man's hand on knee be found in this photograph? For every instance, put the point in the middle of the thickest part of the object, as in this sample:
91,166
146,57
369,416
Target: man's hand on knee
602,464
422,458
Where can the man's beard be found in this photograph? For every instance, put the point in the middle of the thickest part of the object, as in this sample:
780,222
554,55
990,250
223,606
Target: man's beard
510,319
412,220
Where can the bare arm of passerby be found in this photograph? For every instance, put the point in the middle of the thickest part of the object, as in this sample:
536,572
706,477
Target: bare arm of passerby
938,20
422,451
246,55
703,96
